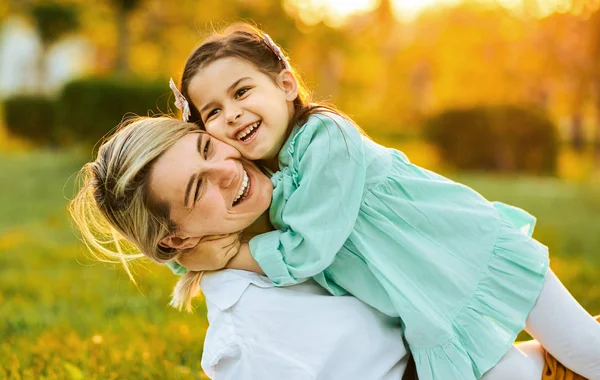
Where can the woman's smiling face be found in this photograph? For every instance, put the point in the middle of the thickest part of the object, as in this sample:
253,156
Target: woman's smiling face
243,106
209,189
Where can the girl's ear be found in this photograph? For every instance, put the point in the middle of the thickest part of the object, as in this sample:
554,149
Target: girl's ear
289,84
179,243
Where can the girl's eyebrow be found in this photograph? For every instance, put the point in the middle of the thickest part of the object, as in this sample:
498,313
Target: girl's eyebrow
194,176
229,89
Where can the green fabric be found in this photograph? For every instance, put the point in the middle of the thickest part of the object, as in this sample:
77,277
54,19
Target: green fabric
461,272
176,268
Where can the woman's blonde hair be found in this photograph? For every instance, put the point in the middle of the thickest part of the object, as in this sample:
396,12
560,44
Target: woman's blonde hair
116,213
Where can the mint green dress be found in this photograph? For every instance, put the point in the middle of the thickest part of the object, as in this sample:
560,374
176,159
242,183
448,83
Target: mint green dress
462,273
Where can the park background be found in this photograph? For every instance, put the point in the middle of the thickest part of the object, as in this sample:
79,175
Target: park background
501,95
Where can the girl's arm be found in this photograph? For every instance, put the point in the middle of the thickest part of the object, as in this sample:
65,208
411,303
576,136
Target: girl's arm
196,260
215,249
244,261
320,195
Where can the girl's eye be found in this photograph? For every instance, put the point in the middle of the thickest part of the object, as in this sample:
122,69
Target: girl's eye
239,93
207,148
212,113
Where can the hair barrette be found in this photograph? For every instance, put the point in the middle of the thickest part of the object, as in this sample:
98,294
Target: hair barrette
276,50
180,101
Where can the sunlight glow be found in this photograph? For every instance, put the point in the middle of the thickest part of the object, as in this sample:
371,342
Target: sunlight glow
408,10
332,12
337,12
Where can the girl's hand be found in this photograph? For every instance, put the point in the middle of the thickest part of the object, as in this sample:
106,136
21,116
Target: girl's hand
212,253
244,261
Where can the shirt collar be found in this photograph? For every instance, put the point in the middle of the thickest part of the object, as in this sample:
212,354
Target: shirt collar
225,287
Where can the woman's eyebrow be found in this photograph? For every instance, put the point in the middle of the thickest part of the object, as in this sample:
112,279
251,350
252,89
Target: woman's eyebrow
194,176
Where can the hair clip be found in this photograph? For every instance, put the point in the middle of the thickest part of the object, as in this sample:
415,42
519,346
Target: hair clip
180,101
276,50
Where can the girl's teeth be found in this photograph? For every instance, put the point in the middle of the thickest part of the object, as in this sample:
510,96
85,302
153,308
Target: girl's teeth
248,130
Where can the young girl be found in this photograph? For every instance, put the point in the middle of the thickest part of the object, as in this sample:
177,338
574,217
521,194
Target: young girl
462,273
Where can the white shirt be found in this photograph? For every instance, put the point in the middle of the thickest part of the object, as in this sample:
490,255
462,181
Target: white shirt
259,331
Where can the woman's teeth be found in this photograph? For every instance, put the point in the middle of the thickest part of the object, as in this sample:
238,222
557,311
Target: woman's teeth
243,192
248,131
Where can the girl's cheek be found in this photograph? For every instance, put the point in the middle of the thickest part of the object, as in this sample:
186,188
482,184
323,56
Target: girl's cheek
214,130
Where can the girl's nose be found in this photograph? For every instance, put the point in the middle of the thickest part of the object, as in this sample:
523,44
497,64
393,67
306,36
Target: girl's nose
233,114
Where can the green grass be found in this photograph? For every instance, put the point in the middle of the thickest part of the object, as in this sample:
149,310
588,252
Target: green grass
63,315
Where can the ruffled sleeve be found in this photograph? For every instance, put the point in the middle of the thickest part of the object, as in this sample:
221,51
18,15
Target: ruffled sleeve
521,219
176,268
317,203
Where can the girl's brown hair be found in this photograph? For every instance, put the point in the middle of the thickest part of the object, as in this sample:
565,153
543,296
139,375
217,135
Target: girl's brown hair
248,43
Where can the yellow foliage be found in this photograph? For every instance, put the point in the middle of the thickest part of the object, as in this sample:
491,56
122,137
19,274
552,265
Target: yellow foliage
567,270
9,143
418,152
73,371
145,59
12,239
575,166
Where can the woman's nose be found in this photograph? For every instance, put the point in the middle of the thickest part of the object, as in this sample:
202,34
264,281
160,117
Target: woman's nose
224,172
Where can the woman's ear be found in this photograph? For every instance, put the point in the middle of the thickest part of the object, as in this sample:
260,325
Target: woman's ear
289,84
173,241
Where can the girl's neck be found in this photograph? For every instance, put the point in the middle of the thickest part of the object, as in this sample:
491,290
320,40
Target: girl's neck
260,226
271,164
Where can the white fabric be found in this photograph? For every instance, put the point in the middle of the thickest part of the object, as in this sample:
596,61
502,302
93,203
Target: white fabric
524,361
259,331
563,328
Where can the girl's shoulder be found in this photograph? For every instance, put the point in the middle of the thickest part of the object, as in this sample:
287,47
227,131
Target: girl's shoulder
324,130
326,126
319,120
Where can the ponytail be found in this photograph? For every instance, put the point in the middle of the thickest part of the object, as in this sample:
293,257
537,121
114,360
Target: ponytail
186,289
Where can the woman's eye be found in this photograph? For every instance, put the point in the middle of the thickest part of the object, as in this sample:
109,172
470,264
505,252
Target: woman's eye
198,187
207,148
241,92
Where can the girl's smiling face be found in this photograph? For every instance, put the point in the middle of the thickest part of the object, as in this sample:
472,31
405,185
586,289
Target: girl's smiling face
244,107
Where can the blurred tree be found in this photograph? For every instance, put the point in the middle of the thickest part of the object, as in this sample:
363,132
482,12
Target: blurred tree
53,21
379,37
595,58
89,108
564,40
4,10
497,138
573,40
386,74
123,9
31,117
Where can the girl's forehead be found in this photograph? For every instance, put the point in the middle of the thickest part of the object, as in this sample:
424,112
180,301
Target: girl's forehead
219,77
228,66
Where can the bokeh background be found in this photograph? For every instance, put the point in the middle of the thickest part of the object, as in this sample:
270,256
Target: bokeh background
501,95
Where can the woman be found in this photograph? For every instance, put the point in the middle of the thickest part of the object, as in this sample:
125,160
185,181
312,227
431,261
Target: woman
120,207
159,186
